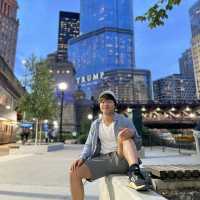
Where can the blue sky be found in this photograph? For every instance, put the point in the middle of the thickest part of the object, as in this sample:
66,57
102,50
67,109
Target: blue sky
157,50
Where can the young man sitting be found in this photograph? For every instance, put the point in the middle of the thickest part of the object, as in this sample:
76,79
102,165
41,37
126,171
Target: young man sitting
110,149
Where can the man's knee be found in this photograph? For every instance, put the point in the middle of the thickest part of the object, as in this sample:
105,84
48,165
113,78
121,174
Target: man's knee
81,172
74,174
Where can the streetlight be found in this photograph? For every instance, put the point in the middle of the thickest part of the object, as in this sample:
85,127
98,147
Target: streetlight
90,116
173,109
158,109
8,107
143,109
192,115
187,109
62,87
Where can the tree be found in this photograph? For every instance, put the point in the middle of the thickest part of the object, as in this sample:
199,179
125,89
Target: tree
40,101
158,13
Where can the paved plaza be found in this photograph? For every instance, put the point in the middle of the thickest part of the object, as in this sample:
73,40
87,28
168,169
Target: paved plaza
44,176
40,176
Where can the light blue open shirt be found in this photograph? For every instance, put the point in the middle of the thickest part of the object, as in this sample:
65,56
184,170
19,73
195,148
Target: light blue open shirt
92,146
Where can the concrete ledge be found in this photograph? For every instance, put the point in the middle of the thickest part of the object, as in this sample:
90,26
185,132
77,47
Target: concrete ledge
36,149
55,147
114,187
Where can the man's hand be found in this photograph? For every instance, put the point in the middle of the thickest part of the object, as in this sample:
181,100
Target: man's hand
76,163
124,134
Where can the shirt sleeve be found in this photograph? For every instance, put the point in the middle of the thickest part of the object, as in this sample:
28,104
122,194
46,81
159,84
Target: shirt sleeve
86,152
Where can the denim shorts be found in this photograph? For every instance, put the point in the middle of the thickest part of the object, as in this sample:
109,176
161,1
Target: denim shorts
106,164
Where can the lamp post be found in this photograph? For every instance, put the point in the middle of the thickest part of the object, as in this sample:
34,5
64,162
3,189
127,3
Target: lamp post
62,87
90,117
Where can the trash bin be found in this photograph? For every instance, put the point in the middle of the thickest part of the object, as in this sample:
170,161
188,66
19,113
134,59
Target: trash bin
196,135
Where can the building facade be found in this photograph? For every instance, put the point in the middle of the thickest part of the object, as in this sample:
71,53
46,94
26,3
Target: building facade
129,85
8,31
10,92
195,18
69,26
174,88
100,14
10,89
106,41
186,64
195,28
64,72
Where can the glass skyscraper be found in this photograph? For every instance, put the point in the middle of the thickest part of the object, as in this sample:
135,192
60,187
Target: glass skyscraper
97,14
195,18
69,26
195,28
106,41
186,64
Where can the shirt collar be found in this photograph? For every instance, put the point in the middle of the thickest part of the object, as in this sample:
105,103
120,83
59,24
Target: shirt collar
116,117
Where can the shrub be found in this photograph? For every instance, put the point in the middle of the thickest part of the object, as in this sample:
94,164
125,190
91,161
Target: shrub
68,136
82,138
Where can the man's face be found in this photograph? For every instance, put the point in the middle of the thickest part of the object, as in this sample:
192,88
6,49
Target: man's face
107,106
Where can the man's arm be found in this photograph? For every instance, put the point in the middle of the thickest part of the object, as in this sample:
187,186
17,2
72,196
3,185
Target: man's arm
88,145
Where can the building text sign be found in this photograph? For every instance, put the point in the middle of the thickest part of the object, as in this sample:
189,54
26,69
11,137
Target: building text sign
89,78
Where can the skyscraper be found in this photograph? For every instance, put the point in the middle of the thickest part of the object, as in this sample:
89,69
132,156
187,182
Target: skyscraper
95,15
63,70
195,18
106,41
69,25
174,88
186,64
195,28
8,31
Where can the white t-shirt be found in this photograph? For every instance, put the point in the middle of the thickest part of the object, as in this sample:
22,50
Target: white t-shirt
107,138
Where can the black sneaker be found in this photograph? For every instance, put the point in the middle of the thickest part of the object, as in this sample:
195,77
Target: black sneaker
137,180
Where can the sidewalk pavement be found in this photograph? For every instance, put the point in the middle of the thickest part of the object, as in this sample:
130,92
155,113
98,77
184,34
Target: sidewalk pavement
45,176
40,176
156,156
